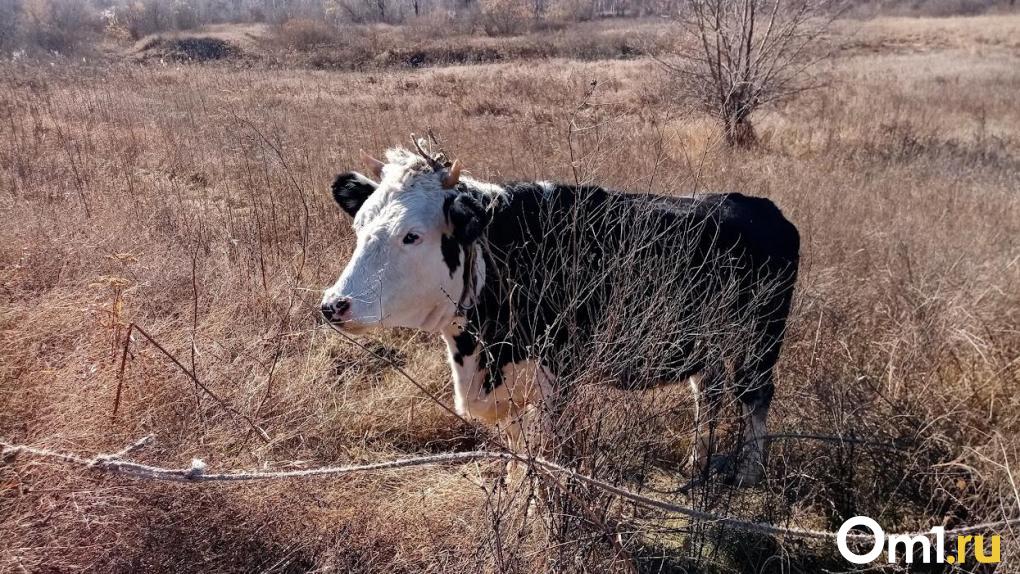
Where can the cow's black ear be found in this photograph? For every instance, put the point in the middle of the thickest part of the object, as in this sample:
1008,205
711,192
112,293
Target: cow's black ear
467,215
351,189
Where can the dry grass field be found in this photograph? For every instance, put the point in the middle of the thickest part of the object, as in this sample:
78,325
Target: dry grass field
192,200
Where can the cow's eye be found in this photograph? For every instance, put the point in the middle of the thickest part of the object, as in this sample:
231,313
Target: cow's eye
411,238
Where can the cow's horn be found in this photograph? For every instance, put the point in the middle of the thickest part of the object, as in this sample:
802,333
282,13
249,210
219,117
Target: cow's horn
374,166
453,177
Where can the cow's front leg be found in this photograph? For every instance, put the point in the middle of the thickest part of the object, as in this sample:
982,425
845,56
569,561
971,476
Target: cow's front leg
526,385
527,429
509,399
514,407
514,404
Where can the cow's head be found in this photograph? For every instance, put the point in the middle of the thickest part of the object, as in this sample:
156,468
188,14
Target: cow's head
415,224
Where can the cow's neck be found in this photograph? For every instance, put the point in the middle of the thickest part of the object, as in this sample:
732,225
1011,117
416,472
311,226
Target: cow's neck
463,346
477,355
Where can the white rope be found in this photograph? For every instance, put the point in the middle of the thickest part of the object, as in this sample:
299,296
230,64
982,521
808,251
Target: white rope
197,473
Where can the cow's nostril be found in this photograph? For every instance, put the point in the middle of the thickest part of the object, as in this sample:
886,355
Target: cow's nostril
342,306
327,310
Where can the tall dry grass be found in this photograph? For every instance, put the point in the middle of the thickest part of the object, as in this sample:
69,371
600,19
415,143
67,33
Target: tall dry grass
191,200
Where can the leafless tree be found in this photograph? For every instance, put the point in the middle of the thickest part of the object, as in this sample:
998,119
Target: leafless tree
9,10
735,56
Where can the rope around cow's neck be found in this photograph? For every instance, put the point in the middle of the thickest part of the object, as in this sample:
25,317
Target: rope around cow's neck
472,286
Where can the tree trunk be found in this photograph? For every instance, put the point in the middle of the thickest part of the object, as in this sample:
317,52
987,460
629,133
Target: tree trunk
736,123
739,131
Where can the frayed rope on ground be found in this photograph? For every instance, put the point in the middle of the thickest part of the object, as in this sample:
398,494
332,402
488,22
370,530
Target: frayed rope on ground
114,463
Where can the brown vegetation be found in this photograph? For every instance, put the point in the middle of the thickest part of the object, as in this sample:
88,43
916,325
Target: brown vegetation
191,200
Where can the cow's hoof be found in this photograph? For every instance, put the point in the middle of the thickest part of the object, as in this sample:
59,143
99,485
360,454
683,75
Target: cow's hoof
721,464
717,464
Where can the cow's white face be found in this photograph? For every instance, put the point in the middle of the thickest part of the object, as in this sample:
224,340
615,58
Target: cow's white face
413,229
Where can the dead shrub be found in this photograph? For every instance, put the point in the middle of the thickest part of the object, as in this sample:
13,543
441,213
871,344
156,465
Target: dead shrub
56,26
9,13
736,57
305,35
505,17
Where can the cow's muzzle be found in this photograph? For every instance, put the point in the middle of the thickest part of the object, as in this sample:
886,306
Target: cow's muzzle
336,310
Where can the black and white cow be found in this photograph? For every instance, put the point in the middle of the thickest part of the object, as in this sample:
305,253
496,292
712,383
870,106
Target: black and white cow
532,283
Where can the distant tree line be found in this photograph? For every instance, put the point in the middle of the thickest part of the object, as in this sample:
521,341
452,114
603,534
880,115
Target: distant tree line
67,26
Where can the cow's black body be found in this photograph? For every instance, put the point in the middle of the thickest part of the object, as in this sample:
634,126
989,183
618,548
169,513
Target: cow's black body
650,288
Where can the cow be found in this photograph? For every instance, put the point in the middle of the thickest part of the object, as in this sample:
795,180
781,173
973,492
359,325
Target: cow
529,284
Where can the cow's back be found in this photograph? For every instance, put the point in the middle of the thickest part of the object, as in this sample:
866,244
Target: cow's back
753,223
590,272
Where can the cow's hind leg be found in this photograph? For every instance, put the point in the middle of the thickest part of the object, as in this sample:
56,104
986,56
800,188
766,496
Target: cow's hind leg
707,388
754,387
754,404
753,374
